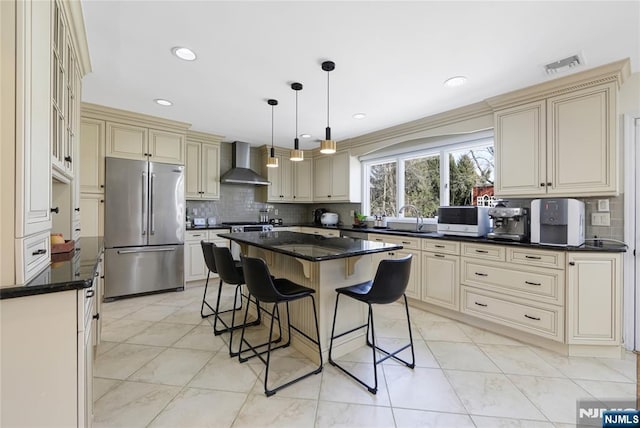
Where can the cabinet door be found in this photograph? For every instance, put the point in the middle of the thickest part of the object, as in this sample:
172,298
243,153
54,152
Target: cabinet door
286,179
33,117
303,181
210,172
192,170
440,280
322,180
340,174
594,299
582,157
92,155
166,147
126,141
275,192
415,278
194,265
91,214
520,150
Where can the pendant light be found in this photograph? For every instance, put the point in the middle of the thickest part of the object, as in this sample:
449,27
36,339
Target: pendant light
328,146
272,162
296,154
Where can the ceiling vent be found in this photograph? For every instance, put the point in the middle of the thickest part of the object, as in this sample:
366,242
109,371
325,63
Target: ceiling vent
563,64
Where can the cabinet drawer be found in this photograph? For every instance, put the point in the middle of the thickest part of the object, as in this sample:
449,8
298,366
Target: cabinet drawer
535,318
405,241
35,254
75,230
545,285
196,235
441,246
213,234
484,251
531,257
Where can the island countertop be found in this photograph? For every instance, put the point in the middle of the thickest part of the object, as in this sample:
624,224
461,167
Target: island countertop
313,248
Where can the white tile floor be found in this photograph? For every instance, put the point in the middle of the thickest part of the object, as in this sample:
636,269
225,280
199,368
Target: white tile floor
160,365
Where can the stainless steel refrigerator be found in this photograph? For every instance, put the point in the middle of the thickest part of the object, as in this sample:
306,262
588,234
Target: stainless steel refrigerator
144,227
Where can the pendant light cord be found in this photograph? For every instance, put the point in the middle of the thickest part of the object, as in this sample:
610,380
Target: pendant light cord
272,130
296,115
328,98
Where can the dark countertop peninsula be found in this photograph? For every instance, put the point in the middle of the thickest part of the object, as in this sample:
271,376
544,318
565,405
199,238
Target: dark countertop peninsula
313,248
68,271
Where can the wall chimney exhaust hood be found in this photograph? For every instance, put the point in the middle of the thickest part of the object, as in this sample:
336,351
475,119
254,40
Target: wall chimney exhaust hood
240,172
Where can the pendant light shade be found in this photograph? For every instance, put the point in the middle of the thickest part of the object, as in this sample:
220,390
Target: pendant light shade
272,161
328,146
296,154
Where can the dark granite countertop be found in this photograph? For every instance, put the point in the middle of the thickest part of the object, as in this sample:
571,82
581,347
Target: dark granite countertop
68,271
305,246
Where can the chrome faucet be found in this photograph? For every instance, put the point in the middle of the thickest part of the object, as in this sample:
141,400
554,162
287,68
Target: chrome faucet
416,211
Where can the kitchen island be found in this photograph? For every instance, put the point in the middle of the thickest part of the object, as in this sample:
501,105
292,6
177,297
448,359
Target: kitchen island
322,264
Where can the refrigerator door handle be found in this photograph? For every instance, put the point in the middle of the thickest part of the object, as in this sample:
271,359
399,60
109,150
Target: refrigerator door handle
144,203
145,250
153,216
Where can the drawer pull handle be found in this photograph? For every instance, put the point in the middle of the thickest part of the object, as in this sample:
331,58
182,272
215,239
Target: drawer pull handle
533,257
406,242
532,283
439,246
484,305
439,255
90,294
96,317
55,210
481,274
482,251
38,252
195,236
531,318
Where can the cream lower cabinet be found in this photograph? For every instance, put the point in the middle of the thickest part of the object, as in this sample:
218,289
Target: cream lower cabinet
46,368
410,246
498,286
195,268
329,233
594,287
440,273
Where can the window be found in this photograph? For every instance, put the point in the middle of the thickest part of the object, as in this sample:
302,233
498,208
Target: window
448,173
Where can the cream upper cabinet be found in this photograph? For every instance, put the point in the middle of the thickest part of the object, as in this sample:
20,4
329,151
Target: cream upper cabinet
594,287
281,187
91,214
559,146
92,148
166,147
126,141
582,153
202,170
337,178
303,180
290,181
141,143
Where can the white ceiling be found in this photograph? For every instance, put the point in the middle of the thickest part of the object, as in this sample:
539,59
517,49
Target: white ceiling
391,58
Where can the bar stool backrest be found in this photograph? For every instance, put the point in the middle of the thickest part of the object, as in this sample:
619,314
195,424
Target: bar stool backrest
258,280
207,251
390,281
227,268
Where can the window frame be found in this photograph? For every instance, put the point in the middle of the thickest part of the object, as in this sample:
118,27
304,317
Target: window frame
442,148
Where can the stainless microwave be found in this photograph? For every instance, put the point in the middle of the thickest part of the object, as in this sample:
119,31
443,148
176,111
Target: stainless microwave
463,221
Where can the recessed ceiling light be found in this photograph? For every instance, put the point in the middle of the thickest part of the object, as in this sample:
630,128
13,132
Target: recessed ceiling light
455,81
184,53
305,135
162,102
359,115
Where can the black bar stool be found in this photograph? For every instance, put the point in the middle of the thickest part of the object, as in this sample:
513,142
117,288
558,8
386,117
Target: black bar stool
388,286
264,288
219,260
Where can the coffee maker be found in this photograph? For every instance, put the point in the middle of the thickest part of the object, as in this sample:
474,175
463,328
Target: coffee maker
509,224
317,216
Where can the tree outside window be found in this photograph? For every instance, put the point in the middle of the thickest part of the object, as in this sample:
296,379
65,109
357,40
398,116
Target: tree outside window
383,188
422,184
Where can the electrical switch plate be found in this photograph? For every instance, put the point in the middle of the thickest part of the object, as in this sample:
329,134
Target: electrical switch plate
275,212
600,219
352,213
603,205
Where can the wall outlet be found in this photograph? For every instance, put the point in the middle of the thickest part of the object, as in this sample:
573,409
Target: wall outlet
603,205
352,213
275,212
600,219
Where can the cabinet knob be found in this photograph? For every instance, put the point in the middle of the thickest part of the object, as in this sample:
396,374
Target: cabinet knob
549,184
55,210
541,184
102,186
77,209
149,155
67,159
572,263
102,201
328,196
77,230
90,293
96,317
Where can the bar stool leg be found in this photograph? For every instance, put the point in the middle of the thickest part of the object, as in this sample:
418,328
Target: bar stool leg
204,300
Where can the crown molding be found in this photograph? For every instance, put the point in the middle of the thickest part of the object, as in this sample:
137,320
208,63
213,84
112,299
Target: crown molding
616,72
96,111
204,137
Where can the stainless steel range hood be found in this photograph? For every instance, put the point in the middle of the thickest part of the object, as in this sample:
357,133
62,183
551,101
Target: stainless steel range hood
240,172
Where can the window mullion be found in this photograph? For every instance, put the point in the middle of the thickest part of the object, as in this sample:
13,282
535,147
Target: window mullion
400,181
444,178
